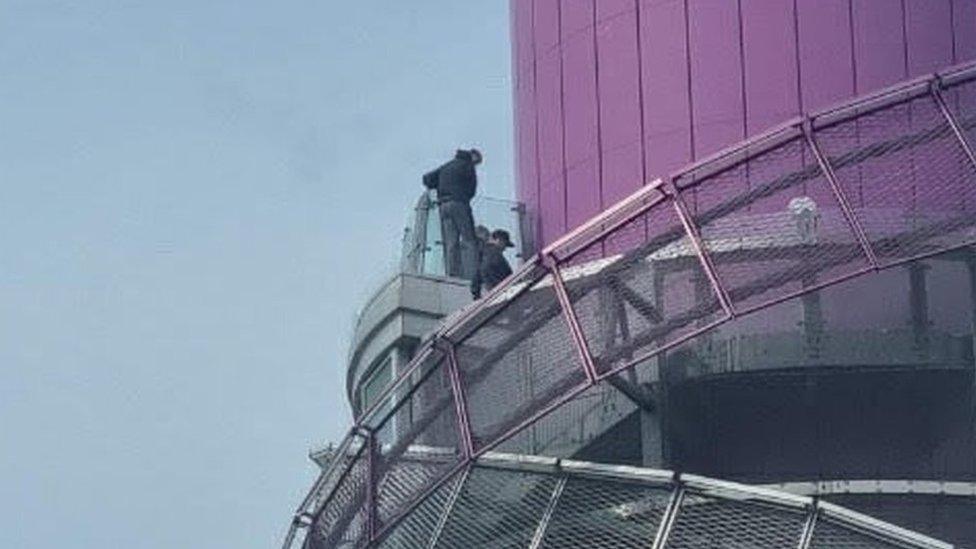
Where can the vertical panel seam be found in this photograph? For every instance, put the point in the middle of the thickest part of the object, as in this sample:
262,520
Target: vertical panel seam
535,115
742,82
850,27
640,98
796,50
691,99
742,72
562,114
952,28
907,69
799,73
904,38
599,117
640,92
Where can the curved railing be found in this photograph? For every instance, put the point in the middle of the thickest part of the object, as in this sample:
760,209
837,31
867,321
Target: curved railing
512,500
884,180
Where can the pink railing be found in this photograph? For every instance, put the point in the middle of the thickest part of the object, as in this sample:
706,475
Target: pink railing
884,180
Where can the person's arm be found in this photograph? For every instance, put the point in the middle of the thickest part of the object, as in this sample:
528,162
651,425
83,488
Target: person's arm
470,183
430,178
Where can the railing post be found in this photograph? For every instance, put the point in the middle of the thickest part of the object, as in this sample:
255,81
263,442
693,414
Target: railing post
691,230
845,206
460,402
807,535
936,90
549,261
670,515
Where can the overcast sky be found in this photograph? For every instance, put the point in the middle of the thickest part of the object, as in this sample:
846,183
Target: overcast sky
195,198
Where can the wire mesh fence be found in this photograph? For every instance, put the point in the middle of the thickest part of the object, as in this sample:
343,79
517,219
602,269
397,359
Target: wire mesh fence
878,182
511,501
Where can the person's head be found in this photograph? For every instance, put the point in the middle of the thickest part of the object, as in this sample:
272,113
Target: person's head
500,238
472,155
482,233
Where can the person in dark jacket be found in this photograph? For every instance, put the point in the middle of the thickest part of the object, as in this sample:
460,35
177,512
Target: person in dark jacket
456,183
493,267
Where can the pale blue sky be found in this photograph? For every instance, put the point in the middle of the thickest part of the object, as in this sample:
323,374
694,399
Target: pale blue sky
195,198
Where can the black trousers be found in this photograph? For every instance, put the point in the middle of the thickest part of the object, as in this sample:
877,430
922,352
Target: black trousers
460,242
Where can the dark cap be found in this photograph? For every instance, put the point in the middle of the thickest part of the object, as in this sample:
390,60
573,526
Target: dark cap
472,155
502,236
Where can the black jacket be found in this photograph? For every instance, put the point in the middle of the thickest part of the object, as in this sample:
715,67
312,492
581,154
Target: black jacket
455,180
492,269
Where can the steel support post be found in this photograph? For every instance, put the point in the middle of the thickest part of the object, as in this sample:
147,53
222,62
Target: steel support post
807,535
448,508
460,402
814,325
918,300
670,516
935,89
845,205
540,531
371,480
692,231
576,331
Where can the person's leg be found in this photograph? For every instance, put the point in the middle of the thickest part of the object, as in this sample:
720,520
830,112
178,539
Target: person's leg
469,241
450,233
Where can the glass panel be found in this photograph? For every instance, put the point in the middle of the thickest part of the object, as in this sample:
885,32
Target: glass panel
423,243
493,213
378,381
434,246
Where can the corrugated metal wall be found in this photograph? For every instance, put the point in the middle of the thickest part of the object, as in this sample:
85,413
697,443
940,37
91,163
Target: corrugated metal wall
612,93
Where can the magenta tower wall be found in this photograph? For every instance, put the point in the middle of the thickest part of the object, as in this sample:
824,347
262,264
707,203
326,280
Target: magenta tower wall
613,93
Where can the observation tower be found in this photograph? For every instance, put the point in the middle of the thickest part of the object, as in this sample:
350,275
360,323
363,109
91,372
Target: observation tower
745,311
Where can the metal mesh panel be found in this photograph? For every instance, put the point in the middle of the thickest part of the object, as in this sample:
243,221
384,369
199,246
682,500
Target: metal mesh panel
830,535
771,223
342,521
907,177
571,426
516,363
647,290
606,515
705,522
961,100
417,529
497,509
579,249
418,443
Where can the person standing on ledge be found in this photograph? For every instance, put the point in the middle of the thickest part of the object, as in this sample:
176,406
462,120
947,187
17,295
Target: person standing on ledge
456,183
493,267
